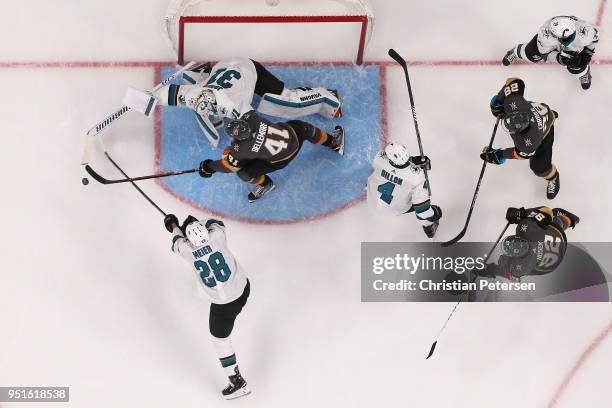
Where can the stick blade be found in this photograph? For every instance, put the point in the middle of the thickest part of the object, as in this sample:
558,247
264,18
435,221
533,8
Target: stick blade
454,240
398,58
432,349
96,176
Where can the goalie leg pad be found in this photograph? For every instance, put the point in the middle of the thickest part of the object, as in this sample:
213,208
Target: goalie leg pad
299,102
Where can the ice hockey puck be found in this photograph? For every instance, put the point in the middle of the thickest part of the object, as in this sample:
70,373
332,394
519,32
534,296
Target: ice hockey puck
85,181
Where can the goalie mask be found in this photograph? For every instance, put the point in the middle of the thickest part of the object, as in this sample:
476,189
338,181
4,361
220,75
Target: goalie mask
563,28
517,122
515,246
197,233
397,154
238,129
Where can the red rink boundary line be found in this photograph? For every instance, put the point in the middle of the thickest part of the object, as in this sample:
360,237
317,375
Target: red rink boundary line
579,363
158,64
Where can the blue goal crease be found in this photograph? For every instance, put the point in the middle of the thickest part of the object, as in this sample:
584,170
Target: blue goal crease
318,181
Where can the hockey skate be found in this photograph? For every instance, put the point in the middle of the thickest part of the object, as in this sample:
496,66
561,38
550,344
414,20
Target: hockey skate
430,230
585,79
552,189
509,58
260,191
560,212
237,387
338,140
339,112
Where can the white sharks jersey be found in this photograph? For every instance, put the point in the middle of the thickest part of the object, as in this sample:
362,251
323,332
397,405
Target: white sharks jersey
587,36
393,191
216,269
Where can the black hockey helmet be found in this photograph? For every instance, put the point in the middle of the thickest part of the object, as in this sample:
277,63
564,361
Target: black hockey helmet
238,129
515,246
517,122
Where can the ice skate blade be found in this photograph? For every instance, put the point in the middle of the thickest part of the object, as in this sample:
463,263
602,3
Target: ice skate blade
238,393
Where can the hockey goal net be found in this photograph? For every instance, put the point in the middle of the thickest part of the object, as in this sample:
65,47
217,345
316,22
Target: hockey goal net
270,30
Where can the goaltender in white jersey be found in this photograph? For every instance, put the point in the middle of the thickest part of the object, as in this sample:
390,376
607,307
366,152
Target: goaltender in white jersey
226,90
204,246
398,186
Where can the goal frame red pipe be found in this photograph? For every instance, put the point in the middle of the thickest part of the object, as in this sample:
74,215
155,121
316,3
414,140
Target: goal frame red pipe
273,19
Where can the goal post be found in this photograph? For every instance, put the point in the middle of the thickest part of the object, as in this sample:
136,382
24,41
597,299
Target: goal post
290,30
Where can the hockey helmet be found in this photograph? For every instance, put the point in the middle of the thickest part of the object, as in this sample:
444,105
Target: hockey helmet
517,122
197,233
563,28
238,129
515,246
397,154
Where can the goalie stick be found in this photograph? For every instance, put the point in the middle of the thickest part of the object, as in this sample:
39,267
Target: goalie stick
103,180
95,130
398,58
469,216
435,343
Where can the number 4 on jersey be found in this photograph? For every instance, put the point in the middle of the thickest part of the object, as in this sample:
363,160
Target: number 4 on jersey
275,146
386,192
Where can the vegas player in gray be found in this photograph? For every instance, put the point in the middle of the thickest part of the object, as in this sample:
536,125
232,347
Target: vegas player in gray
203,245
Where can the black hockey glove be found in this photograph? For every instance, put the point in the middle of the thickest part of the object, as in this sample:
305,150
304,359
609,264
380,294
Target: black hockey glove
205,170
496,109
169,221
188,220
421,161
493,156
567,57
515,215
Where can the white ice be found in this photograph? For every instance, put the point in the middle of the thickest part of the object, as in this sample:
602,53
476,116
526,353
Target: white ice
92,298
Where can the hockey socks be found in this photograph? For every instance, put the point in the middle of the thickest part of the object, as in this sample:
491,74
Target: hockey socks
226,354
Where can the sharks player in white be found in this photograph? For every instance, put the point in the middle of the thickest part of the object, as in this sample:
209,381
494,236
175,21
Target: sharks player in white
565,39
203,245
226,91
398,186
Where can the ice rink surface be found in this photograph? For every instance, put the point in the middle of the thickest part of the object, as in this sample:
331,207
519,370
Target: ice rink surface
92,298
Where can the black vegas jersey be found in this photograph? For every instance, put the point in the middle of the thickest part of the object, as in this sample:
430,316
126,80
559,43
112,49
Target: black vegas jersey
543,118
270,142
547,245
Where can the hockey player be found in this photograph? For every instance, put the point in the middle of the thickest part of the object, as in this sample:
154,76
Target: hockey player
565,39
397,186
226,91
532,128
260,147
538,245
203,245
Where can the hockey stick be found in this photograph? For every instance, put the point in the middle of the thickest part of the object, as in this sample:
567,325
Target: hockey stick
435,343
127,177
469,216
94,131
398,58
102,180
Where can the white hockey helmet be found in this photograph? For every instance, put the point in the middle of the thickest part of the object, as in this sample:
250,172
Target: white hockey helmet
197,233
563,28
397,154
